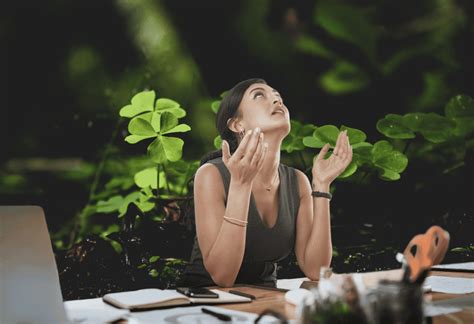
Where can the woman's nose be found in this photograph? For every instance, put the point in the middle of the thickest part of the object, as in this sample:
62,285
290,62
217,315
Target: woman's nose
277,100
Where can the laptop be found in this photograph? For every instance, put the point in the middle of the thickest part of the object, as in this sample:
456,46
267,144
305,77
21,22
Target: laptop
29,281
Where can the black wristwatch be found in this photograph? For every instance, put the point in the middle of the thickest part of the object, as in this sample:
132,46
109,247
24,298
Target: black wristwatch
322,194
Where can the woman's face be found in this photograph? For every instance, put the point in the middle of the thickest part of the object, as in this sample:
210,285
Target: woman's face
262,106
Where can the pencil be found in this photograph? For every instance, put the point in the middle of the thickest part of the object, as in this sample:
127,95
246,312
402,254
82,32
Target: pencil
239,293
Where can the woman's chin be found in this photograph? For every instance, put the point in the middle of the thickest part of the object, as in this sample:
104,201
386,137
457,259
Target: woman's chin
282,127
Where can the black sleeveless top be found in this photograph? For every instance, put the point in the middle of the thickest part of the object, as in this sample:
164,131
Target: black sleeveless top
264,246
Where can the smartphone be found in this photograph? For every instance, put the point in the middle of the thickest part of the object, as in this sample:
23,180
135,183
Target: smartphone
199,292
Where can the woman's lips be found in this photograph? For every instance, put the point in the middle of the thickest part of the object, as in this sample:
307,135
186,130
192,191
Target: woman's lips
279,110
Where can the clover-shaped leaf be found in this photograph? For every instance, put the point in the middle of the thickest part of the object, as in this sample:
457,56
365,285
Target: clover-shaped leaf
141,102
390,162
393,126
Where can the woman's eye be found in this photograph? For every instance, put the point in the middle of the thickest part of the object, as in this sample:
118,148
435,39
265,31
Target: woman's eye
257,94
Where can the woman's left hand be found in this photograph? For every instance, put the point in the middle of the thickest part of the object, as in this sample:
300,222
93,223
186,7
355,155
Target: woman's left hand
326,170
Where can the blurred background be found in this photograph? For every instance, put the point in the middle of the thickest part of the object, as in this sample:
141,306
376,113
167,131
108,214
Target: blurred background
68,67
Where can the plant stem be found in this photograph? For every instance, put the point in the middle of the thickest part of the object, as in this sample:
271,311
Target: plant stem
157,182
185,179
82,221
166,180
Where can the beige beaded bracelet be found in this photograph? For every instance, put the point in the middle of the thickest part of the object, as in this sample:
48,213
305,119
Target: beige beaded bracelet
236,221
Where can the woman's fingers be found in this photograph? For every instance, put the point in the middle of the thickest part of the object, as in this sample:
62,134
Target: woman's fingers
337,147
323,152
240,151
251,146
262,157
225,151
341,145
258,151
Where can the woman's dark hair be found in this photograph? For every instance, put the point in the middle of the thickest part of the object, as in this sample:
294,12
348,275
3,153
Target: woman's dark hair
228,109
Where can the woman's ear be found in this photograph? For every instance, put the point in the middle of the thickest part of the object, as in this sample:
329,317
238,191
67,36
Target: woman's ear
235,125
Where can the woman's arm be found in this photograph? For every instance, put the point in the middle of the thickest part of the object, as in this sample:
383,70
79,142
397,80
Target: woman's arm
313,239
222,243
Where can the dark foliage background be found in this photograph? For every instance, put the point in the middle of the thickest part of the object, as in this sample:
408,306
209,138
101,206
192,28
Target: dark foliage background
67,67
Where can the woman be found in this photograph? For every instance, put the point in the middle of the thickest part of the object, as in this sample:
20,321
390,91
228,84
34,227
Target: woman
251,211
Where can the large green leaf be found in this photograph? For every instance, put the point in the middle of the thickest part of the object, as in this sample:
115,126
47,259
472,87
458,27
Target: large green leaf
171,106
347,22
141,102
139,126
393,126
167,122
344,78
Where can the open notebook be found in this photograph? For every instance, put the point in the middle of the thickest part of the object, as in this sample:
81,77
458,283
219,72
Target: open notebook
156,298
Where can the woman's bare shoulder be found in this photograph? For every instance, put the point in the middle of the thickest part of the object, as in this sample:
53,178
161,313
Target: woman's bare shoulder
303,182
208,178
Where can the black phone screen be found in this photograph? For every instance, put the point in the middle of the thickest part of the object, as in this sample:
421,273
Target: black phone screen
199,292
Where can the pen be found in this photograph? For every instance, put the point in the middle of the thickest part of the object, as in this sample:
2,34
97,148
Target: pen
239,293
222,317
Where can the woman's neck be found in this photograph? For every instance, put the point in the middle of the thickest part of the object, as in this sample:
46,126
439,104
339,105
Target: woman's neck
271,162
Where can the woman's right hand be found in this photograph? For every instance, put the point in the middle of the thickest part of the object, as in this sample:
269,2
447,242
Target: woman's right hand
247,159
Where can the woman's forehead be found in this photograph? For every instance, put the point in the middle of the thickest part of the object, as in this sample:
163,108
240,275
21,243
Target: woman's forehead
262,86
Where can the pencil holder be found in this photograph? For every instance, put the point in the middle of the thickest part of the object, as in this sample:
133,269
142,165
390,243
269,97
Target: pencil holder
395,302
